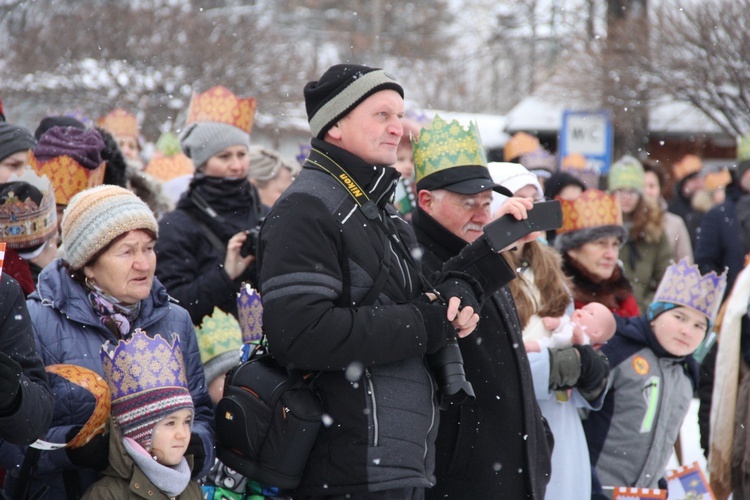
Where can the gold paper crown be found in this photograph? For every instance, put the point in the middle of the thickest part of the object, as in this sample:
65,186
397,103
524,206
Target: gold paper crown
68,177
219,104
120,122
23,223
683,284
218,333
574,161
520,144
593,208
165,168
716,180
443,145
98,387
689,164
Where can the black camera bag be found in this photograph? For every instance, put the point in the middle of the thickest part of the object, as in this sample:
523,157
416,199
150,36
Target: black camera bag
267,422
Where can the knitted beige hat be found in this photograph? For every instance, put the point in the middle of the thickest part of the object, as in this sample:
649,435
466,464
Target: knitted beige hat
94,217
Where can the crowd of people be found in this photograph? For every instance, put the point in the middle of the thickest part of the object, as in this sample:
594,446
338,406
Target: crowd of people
119,313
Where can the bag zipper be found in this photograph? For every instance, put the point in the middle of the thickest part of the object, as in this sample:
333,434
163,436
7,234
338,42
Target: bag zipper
371,393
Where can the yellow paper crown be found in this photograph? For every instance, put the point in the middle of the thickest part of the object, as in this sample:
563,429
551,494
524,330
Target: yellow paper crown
689,164
120,122
716,180
443,145
593,208
520,144
67,176
218,333
683,284
218,104
165,168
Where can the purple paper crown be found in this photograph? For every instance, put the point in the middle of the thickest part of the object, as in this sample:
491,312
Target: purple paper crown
250,308
146,377
683,284
304,152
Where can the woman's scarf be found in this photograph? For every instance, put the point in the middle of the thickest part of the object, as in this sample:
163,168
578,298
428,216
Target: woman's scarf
171,480
116,315
227,206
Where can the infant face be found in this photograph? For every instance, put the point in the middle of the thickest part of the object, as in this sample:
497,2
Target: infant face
596,321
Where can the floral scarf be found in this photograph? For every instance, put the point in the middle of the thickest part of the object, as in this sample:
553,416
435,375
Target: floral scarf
115,315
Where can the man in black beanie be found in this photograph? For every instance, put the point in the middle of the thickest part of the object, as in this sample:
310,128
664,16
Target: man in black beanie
342,296
15,143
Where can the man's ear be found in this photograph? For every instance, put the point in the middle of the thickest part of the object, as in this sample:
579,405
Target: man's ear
425,199
334,132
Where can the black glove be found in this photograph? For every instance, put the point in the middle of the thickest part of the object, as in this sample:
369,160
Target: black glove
92,455
10,382
195,448
461,285
594,372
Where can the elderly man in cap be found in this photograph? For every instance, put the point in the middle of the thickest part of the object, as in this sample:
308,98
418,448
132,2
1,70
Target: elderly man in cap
343,296
498,445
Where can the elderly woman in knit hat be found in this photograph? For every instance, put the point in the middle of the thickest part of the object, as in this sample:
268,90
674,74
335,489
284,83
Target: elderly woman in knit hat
589,241
206,246
647,253
270,173
103,289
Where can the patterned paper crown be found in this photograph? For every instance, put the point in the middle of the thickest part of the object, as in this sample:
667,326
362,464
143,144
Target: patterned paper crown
119,122
683,284
168,161
67,176
219,104
25,223
147,379
250,308
689,164
443,145
593,208
217,334
520,144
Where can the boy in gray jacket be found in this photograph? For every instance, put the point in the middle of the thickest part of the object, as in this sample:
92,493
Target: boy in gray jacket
653,377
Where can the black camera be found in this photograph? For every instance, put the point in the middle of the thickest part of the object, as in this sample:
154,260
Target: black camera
447,364
250,246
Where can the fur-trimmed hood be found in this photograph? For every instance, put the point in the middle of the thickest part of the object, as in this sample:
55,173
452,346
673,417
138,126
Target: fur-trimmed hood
575,239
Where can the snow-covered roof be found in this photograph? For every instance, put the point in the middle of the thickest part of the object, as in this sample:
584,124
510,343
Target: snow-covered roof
540,115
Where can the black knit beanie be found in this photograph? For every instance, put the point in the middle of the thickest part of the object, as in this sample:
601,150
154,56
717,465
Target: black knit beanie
14,139
341,88
57,121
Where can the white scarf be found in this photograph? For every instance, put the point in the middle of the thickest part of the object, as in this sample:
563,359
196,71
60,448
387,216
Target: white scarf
171,480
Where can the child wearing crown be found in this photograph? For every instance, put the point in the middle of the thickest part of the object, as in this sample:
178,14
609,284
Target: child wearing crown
151,421
652,380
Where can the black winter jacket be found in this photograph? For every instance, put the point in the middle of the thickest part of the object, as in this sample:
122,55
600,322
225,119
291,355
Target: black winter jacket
190,263
319,255
30,417
495,446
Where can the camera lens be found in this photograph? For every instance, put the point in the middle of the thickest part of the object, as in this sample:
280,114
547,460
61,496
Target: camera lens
447,365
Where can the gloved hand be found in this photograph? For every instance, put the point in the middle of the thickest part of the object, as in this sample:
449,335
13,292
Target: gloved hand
10,382
594,372
581,367
92,455
196,449
461,285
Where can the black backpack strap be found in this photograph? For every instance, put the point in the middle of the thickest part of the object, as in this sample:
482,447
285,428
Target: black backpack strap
210,235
